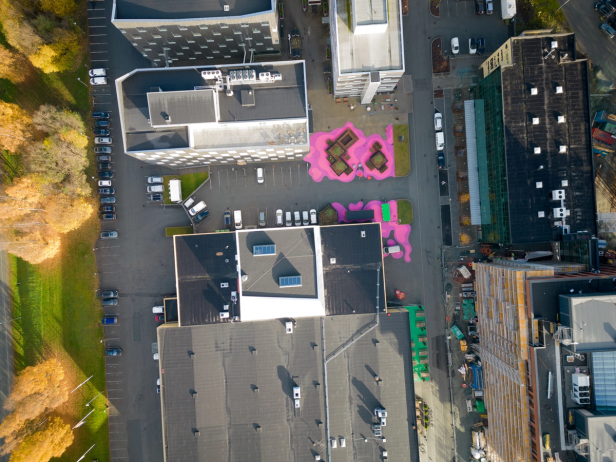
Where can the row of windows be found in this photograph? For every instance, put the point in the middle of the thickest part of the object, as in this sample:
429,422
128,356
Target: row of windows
191,42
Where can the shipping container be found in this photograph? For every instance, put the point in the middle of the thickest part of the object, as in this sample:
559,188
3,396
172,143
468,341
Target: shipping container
602,136
603,117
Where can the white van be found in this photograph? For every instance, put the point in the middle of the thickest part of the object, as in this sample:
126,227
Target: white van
196,209
440,141
305,218
175,190
391,249
158,309
288,220
237,218
158,188
298,218
260,178
190,201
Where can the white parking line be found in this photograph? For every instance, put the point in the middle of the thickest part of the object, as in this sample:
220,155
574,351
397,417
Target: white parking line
115,398
98,35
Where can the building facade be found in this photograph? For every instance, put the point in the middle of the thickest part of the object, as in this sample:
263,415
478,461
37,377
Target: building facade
367,47
182,32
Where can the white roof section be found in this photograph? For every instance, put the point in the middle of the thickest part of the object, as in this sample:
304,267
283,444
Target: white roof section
376,48
471,156
266,308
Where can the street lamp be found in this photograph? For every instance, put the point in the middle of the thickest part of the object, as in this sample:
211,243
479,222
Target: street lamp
88,403
86,85
11,320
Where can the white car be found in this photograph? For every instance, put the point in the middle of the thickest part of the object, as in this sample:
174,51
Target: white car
102,140
455,45
155,179
98,81
313,217
104,183
98,73
260,178
157,188
472,46
279,218
196,209
438,121
440,141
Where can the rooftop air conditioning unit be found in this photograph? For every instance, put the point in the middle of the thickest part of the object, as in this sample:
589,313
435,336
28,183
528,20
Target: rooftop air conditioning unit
534,91
537,150
559,89
539,184
296,393
561,119
560,212
225,307
535,120
558,194
562,149
554,44
226,7
541,214
564,183
277,76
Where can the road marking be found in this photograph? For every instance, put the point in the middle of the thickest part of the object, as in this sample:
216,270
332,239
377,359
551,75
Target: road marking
97,43
98,35
114,398
92,27
94,52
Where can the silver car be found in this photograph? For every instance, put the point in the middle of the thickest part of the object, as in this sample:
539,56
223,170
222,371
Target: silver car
102,140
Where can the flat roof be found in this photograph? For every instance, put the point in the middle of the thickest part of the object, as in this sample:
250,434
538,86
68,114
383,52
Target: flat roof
600,432
202,263
592,319
232,385
369,52
188,9
536,64
370,11
352,268
281,103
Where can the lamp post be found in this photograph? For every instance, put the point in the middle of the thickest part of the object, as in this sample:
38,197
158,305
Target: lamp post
83,83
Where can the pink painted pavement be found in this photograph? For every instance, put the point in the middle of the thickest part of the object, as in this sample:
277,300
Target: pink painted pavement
401,233
359,152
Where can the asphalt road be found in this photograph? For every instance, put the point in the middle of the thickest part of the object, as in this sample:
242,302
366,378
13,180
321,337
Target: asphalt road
585,22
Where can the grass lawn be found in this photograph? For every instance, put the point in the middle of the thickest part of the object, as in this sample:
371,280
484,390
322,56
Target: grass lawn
60,316
190,182
405,212
402,154
169,232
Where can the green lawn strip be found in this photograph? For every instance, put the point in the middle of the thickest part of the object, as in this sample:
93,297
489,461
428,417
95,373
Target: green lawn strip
402,154
169,232
405,212
190,182
419,350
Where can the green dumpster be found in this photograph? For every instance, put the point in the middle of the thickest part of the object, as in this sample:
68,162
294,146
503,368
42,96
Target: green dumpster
457,332
386,213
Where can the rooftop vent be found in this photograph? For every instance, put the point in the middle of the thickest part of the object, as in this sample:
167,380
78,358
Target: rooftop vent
554,44
558,194
534,91
564,183
537,150
561,212
541,214
363,233
332,261
561,119
195,432
247,97
225,7
559,89
562,149
539,184
535,120
540,167
244,277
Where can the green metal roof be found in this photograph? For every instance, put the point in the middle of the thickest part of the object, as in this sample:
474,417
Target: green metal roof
482,161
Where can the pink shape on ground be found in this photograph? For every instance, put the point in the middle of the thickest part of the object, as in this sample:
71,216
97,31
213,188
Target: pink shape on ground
360,152
401,233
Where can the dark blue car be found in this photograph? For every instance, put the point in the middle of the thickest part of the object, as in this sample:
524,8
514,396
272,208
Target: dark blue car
105,175
441,159
100,115
110,320
203,215
113,351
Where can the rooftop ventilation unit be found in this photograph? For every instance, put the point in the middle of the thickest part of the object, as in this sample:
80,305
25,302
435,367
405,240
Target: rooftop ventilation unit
296,393
561,212
363,233
288,326
211,75
562,149
539,184
554,44
561,119
564,183
540,167
537,150
559,89
541,214
534,91
535,120
332,261
558,194
226,7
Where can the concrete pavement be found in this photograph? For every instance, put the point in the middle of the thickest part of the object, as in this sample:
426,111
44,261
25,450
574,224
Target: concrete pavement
6,340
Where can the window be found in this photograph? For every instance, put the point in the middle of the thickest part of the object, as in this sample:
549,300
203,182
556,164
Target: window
290,281
259,44
203,27
237,32
162,29
183,28
176,35
185,48
209,40
141,31
179,54
197,52
157,36
190,41
197,34
229,39
217,33
224,26
147,49
171,43
256,31
244,25
152,43
233,51
263,250
137,37
222,45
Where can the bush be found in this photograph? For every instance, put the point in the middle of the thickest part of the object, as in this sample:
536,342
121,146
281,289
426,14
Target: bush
465,239
465,220
463,198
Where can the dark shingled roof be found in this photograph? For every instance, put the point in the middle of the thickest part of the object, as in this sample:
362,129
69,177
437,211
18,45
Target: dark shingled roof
535,64
199,273
188,9
351,282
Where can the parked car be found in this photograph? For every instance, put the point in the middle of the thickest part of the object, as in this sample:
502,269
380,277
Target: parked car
155,179
297,218
104,183
260,178
603,11
202,216
440,159
108,216
109,320
102,140
313,217
189,202
109,293
472,46
481,45
288,219
101,123
98,81
305,218
608,30
158,309
489,7
109,234
279,217
156,197
109,302
106,191
237,219
438,121
97,72
107,200
262,220
227,217
480,7
113,351
197,208
100,115
102,150
609,5
101,131
160,318
455,45
104,158
105,166
107,209
157,188
105,175
440,141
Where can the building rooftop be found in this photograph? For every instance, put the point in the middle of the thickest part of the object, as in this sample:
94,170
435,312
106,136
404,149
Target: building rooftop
202,263
166,11
365,52
592,319
227,390
149,97
600,430
532,121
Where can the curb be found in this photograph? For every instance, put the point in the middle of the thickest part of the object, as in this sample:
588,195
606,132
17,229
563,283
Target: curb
430,10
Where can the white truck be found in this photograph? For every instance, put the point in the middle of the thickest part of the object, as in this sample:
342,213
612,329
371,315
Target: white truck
509,9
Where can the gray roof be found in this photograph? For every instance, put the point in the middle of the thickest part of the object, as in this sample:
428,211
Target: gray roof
295,255
600,429
182,107
592,319
188,9
227,410
351,282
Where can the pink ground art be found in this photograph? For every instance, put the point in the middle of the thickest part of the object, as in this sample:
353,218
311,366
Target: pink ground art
401,233
359,152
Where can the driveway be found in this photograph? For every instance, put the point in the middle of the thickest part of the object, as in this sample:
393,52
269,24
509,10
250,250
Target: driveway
585,22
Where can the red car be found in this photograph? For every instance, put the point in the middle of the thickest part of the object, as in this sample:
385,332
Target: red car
160,318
